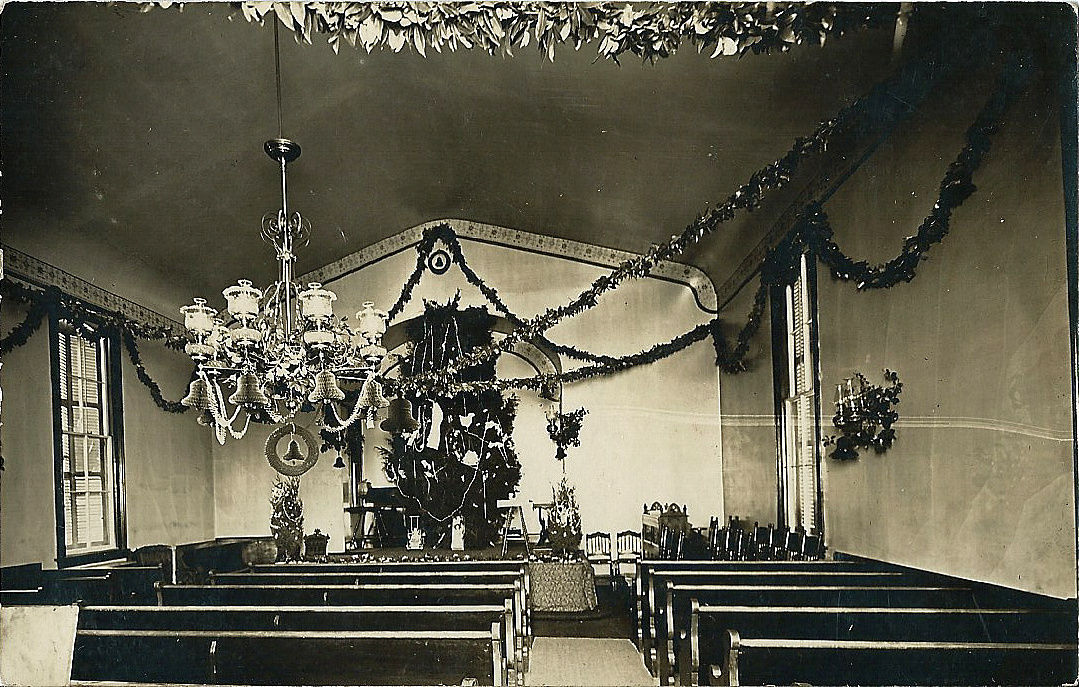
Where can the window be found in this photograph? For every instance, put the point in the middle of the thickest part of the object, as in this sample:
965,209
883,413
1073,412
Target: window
87,434
797,400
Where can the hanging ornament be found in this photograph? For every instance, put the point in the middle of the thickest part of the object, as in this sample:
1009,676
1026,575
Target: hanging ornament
295,461
399,418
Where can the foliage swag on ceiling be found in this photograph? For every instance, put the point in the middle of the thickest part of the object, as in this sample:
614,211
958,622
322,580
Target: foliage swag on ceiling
648,30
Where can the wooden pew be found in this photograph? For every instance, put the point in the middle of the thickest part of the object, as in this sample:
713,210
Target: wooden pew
312,618
433,570
354,595
645,593
767,660
289,657
674,623
772,575
709,625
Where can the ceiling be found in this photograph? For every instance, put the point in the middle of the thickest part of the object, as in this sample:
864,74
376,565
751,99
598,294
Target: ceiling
132,142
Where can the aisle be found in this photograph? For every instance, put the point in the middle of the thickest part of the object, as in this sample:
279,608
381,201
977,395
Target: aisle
587,662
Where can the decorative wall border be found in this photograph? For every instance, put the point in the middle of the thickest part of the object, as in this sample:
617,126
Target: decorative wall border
26,267
698,282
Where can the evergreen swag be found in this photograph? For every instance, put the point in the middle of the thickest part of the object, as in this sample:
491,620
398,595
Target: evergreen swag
474,463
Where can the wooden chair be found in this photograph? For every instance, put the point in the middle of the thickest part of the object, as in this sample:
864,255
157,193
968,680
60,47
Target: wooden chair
628,551
597,548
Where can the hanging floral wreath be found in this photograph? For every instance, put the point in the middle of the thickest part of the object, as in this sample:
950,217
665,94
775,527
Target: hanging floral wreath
565,430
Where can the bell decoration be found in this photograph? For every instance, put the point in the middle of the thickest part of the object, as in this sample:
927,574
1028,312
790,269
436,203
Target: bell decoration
248,392
371,395
199,396
326,388
340,462
399,419
293,452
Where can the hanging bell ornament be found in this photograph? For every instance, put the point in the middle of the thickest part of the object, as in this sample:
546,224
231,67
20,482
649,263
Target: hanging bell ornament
249,393
293,453
371,395
399,419
340,462
326,388
199,396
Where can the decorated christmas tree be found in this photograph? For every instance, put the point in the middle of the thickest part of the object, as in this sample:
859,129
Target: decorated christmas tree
461,460
286,518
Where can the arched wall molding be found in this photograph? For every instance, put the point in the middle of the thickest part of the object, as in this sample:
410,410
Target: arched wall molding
693,278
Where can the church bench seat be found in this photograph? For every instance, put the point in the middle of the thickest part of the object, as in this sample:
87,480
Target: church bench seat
356,595
647,568
673,622
769,660
422,570
311,618
659,580
349,566
706,643
362,576
283,657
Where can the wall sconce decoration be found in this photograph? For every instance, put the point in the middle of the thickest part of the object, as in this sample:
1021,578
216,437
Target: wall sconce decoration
864,415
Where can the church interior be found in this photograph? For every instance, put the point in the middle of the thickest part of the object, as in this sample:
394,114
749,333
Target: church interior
538,343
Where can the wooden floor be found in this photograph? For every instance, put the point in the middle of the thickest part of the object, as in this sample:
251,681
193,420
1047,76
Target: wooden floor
587,662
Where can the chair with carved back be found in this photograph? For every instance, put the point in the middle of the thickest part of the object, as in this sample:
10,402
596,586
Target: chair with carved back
628,551
597,548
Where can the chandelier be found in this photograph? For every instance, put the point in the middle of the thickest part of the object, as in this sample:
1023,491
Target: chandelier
281,350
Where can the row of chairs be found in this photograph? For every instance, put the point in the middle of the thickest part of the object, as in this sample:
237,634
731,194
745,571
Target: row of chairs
612,552
736,542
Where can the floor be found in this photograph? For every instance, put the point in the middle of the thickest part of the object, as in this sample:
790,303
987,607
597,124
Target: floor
585,661
588,649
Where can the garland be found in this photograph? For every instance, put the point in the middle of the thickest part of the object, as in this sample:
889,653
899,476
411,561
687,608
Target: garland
956,186
648,30
43,301
811,231
747,197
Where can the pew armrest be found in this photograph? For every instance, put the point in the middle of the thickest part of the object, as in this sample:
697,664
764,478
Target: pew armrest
732,644
693,678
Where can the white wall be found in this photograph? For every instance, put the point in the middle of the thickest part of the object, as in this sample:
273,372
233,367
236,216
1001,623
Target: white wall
651,433
166,457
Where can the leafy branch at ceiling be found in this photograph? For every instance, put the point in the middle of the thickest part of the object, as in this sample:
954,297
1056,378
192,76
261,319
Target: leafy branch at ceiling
648,30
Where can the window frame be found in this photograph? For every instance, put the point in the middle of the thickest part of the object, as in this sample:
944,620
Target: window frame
115,418
780,378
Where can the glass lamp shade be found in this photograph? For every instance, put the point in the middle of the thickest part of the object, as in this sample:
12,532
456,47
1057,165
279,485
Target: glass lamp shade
243,336
199,317
243,300
371,323
316,302
249,392
318,337
326,388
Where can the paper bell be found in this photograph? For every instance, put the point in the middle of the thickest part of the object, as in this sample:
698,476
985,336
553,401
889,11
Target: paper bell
199,396
326,388
399,419
249,393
